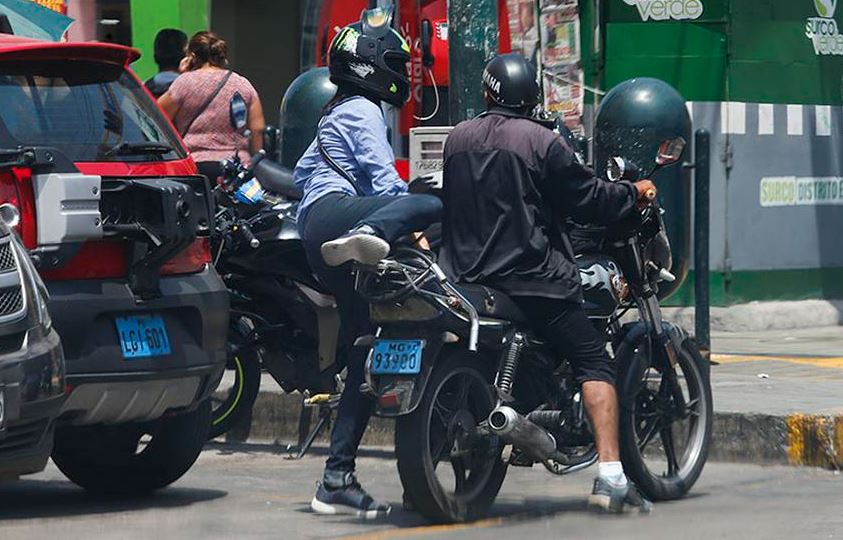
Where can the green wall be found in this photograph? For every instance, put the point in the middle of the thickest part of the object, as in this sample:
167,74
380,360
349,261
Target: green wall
150,16
739,50
773,61
690,56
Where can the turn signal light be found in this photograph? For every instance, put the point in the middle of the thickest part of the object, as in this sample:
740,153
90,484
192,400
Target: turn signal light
16,190
192,259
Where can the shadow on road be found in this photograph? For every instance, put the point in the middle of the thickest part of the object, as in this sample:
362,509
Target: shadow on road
26,499
227,448
508,511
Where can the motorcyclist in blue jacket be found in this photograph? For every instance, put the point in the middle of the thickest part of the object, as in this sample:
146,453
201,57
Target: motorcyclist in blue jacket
354,206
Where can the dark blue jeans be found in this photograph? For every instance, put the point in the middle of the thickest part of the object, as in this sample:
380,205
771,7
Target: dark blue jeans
329,218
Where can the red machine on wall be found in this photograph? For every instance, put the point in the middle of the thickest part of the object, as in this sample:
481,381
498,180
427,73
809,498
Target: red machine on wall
424,23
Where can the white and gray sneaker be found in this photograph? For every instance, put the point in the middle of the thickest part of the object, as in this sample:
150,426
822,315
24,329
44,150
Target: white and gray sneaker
350,499
361,245
607,497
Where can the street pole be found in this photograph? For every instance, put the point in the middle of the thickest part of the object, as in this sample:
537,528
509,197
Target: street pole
472,41
702,300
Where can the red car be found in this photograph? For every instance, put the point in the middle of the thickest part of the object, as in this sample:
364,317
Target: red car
117,221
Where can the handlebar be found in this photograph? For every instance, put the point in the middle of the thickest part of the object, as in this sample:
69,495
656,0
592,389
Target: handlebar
246,234
234,170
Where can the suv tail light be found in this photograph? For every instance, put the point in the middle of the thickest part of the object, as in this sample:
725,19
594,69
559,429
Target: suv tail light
192,259
16,189
106,259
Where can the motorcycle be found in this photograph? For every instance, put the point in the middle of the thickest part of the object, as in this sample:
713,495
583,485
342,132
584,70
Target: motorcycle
283,320
474,390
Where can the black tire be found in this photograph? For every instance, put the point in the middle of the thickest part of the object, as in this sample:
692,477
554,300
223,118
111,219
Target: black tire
132,459
485,473
642,406
237,401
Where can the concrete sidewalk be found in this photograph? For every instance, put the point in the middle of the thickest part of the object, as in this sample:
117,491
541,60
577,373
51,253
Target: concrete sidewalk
778,398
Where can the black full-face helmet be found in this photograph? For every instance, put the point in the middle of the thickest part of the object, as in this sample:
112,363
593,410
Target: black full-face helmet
372,56
510,81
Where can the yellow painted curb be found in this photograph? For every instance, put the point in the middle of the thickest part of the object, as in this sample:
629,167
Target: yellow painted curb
815,441
833,362
427,530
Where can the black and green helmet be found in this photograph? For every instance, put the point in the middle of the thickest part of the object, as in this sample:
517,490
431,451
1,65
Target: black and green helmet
371,55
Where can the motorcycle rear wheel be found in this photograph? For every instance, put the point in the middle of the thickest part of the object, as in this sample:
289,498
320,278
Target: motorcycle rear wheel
439,431
664,450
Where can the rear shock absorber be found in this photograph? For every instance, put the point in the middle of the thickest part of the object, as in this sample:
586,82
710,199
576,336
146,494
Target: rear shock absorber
506,375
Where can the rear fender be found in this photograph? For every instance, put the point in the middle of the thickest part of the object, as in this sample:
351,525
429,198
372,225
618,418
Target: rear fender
631,363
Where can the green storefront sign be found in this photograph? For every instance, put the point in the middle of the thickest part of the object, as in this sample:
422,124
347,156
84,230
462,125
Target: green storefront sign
150,16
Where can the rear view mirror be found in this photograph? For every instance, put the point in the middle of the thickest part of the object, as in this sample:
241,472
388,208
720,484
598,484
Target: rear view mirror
270,142
670,151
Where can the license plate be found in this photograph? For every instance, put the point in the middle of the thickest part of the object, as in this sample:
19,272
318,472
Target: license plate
397,356
142,336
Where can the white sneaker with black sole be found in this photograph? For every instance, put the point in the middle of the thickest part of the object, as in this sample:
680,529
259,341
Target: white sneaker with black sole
360,245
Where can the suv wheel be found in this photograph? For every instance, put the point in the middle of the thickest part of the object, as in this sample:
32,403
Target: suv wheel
132,459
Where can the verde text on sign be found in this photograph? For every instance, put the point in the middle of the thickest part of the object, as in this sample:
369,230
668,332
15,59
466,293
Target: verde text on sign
823,31
663,10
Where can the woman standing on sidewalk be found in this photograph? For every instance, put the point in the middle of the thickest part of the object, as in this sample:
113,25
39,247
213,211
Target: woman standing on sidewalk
354,206
200,102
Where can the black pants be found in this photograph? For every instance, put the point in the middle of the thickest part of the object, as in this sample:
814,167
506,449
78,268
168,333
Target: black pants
566,326
329,218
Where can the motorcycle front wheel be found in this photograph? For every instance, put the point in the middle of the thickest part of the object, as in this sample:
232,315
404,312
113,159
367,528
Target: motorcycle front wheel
449,473
664,446
238,390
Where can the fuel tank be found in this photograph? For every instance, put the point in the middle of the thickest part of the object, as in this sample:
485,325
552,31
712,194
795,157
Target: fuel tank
603,284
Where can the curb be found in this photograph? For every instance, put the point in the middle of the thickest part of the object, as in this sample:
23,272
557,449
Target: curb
799,439
760,316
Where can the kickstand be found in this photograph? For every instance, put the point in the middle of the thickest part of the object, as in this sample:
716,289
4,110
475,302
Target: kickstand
306,437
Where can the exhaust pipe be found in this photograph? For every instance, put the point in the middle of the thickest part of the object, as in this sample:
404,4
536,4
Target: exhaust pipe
514,428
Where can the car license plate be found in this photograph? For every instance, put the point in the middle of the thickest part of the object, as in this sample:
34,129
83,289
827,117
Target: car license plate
397,356
142,336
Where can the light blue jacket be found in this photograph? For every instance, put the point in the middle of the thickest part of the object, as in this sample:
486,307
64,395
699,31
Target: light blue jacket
355,135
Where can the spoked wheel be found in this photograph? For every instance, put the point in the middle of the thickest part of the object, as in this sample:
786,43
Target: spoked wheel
450,473
239,387
664,437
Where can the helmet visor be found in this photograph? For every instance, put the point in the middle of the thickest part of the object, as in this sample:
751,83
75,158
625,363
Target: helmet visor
397,62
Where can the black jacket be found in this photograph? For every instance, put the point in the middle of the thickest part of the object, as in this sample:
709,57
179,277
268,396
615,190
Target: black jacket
509,185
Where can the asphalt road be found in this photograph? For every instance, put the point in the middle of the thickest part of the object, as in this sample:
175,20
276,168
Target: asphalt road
252,492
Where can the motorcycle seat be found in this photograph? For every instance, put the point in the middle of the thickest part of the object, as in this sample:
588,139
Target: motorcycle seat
492,304
277,179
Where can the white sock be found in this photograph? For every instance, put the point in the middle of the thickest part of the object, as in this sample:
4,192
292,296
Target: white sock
612,472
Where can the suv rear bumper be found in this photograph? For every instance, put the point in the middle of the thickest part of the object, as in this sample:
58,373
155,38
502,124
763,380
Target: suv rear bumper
107,388
32,380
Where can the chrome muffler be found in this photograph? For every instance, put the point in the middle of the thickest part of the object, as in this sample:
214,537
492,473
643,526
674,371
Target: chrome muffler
517,430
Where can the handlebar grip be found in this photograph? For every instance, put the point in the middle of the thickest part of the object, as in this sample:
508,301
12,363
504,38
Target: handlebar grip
650,194
248,236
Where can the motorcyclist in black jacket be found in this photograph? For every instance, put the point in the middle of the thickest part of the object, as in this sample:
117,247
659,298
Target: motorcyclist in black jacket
509,184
